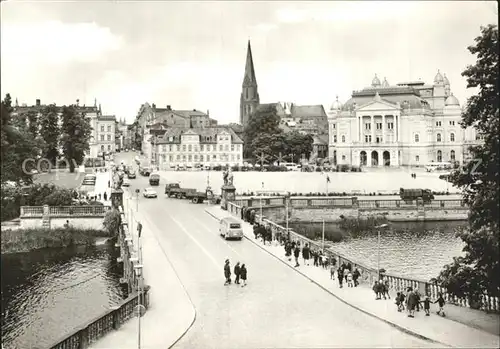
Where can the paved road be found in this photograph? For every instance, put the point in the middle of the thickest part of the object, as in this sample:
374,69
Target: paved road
279,308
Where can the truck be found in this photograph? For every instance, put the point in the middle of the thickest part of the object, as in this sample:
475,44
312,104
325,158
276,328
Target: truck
154,179
175,190
408,195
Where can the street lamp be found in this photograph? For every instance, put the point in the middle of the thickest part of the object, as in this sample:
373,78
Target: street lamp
379,227
140,308
261,203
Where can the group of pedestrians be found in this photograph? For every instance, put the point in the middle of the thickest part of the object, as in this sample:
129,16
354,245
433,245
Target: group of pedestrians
346,274
240,272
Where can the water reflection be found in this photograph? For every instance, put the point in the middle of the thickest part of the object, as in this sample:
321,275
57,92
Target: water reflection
49,292
413,249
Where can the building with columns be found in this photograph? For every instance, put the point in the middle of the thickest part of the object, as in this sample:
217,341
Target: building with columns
191,147
407,124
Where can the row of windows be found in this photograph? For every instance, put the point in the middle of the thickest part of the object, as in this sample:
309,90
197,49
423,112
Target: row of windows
103,148
438,137
102,138
203,147
200,158
102,128
438,123
378,125
439,157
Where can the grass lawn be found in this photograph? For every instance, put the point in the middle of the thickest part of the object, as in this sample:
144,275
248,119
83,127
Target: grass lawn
60,178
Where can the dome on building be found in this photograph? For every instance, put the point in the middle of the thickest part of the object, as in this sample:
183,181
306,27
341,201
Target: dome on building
438,79
376,81
336,105
451,100
385,83
446,81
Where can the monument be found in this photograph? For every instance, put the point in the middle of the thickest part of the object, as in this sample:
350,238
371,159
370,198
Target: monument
228,191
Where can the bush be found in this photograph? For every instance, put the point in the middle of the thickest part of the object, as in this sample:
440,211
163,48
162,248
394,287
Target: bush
112,221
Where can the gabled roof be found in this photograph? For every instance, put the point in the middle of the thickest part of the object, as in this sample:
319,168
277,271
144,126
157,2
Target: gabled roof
205,132
300,111
414,102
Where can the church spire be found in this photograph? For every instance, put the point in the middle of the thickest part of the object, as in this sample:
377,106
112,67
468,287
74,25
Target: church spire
249,78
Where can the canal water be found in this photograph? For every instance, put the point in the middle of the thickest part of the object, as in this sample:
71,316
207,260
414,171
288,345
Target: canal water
48,293
411,249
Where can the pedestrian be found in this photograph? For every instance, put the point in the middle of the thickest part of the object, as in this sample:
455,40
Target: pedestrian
105,196
321,259
376,289
109,184
411,302
256,230
296,254
386,287
401,301
237,271
398,301
99,196
315,257
427,306
441,302
332,271
355,277
66,225
306,254
349,279
340,276
243,274
418,298
227,272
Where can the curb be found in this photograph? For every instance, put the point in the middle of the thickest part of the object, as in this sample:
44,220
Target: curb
401,328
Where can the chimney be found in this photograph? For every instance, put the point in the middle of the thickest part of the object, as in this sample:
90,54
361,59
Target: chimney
169,107
37,102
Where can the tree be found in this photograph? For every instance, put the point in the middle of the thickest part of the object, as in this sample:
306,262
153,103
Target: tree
76,132
33,123
49,130
17,147
264,121
20,122
478,271
299,145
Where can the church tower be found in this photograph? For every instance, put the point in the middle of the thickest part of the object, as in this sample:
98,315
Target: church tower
249,95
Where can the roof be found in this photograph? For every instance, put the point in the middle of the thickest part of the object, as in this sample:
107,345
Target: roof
182,113
320,139
106,118
415,102
304,111
21,109
204,132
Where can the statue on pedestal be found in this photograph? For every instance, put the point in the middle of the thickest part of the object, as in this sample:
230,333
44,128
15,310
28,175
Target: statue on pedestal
224,176
229,176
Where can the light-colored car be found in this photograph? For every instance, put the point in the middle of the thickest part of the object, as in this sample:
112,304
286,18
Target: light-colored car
149,193
230,228
126,182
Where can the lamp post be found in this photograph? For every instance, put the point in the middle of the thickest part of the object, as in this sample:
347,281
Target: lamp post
287,196
379,227
261,203
137,200
138,270
323,238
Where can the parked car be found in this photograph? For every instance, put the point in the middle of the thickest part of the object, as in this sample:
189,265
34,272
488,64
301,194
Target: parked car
126,182
149,193
144,171
131,175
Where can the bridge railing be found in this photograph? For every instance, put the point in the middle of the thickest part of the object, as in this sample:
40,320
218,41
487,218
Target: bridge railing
31,211
64,211
102,325
368,274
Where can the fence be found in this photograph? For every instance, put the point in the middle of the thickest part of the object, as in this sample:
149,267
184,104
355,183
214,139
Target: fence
347,202
64,211
368,274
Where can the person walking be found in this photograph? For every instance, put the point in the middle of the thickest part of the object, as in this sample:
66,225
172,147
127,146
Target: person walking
332,271
105,196
237,271
441,302
427,306
418,299
349,279
355,277
306,254
376,289
227,273
296,254
340,276
412,302
243,274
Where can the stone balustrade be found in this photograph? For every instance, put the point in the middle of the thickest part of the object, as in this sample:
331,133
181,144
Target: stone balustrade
370,275
63,211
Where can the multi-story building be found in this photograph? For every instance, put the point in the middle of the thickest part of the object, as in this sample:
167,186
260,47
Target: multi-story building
103,135
411,123
197,146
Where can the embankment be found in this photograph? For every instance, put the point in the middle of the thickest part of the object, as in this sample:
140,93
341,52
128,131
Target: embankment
25,240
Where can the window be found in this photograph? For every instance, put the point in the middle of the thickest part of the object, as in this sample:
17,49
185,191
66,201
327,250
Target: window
102,147
163,148
379,125
368,126
238,157
184,147
190,148
189,157
417,158
232,147
343,157
102,138
201,158
201,147
196,148
109,137
232,157
478,137
102,128
195,157
220,147
390,125
183,157
163,157
368,138
452,123
378,139
171,158
226,147
417,138
214,157
452,137
334,138
214,147
109,128
343,139
333,126
170,148
439,156
109,146
452,155
178,157
177,148
438,137
438,123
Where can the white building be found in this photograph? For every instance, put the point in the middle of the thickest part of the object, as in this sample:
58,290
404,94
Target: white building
407,124
198,146
102,139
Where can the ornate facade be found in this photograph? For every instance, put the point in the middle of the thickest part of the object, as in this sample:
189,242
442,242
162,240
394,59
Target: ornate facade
410,123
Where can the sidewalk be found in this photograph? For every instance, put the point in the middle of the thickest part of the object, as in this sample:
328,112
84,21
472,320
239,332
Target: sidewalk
170,313
463,327
101,186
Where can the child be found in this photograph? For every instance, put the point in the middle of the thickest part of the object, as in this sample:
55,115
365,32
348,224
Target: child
321,257
427,305
401,301
441,303
398,301
349,279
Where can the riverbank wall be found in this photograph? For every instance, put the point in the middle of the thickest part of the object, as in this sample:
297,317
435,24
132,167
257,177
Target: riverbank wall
26,240
50,217
334,210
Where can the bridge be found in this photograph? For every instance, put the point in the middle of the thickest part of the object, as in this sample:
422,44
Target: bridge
189,307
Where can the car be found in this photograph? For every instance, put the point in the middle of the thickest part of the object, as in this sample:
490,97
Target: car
149,193
131,175
126,182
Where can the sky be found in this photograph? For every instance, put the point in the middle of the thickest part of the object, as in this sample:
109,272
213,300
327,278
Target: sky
191,55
